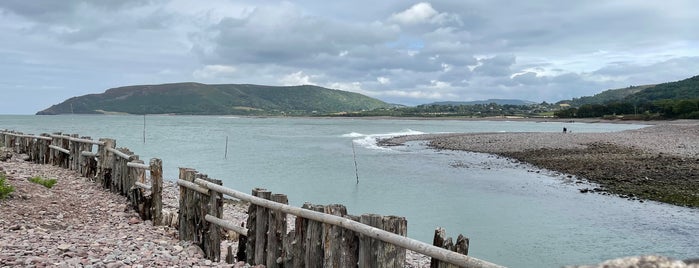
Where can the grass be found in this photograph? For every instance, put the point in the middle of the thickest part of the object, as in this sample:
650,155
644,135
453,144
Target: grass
48,183
5,189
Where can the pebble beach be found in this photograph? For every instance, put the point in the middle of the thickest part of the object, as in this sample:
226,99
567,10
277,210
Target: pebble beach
659,162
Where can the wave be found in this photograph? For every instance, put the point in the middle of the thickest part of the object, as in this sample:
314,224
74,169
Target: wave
353,135
370,141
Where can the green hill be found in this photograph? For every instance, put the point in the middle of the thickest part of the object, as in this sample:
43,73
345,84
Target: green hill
671,100
607,96
683,89
200,99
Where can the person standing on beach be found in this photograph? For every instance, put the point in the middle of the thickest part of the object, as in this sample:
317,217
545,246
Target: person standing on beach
565,130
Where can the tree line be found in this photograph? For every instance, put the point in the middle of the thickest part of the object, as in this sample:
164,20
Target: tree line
659,109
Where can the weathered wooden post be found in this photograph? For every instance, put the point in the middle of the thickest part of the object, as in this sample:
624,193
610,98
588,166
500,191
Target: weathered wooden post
141,203
314,238
106,162
340,245
156,177
54,153
44,150
212,245
276,232
296,244
186,214
65,158
74,154
261,220
441,240
376,253
250,244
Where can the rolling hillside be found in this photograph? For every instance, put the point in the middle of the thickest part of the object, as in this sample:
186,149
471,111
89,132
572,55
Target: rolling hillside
683,89
199,99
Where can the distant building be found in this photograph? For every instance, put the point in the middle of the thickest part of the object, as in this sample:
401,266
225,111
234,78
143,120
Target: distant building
564,105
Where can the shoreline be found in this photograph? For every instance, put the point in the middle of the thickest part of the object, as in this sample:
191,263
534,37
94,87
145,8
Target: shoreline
452,118
659,162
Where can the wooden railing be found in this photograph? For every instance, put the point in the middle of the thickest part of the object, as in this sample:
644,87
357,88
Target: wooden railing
323,236
115,169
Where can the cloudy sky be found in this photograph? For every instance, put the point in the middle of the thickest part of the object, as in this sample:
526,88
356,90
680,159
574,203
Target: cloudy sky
406,52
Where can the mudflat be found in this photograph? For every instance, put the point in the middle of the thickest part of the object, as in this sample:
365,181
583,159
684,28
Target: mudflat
659,162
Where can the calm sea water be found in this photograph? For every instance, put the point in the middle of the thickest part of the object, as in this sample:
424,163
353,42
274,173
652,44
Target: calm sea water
513,217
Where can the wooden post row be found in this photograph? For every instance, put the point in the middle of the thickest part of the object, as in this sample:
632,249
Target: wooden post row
315,244
194,207
441,240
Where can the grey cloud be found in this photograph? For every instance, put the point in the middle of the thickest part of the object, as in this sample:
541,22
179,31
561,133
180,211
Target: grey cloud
496,66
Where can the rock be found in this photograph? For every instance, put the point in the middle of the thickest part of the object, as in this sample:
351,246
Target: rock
178,248
116,264
64,247
134,220
194,250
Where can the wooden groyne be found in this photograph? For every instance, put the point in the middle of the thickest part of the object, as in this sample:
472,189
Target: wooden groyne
322,236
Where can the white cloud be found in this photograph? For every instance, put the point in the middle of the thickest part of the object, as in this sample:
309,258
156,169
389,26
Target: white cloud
418,13
295,79
383,80
436,84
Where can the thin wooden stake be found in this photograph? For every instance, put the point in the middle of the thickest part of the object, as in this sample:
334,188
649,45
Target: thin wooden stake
225,155
354,156
144,127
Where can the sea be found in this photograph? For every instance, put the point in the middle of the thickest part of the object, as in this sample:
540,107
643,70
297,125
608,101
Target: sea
514,214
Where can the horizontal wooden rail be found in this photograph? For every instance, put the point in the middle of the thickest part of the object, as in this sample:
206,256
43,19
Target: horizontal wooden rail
62,150
388,237
27,136
89,154
193,186
138,165
86,141
227,225
119,153
144,186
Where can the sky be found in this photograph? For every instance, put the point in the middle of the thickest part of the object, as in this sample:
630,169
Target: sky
405,52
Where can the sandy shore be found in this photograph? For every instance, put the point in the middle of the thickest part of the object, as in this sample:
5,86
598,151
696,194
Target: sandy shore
659,162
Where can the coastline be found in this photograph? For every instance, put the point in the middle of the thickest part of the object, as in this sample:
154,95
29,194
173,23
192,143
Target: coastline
659,162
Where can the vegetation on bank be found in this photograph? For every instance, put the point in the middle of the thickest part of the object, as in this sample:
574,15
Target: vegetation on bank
48,183
460,110
5,188
674,100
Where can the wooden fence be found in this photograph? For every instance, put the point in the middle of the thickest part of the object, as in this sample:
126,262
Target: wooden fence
115,169
323,236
